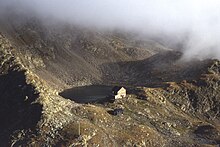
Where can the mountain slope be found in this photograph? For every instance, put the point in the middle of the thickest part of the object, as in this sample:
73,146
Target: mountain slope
65,53
169,102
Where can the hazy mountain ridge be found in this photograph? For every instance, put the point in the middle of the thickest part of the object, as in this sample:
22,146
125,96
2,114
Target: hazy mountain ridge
52,46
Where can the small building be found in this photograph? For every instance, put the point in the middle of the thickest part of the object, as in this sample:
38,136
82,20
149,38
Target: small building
119,92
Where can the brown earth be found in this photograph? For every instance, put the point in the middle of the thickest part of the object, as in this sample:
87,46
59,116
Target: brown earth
170,102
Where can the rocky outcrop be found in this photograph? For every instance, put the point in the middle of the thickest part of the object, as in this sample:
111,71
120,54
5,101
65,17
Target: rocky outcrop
199,97
18,110
29,107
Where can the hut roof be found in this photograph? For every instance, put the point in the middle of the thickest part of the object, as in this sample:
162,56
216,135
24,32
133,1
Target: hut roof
116,88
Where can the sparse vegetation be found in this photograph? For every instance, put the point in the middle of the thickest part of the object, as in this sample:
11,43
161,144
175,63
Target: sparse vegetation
169,102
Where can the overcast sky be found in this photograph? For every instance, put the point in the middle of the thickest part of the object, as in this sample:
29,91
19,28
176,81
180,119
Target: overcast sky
200,19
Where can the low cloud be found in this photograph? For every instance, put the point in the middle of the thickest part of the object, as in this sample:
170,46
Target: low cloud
193,23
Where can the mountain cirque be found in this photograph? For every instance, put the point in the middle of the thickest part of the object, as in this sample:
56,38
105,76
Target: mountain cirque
169,102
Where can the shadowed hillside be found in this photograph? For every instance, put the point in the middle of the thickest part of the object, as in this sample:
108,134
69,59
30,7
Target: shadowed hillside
155,71
17,108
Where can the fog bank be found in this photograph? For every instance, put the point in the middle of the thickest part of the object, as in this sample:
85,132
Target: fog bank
193,23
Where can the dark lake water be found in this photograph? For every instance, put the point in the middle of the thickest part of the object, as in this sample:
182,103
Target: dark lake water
88,94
